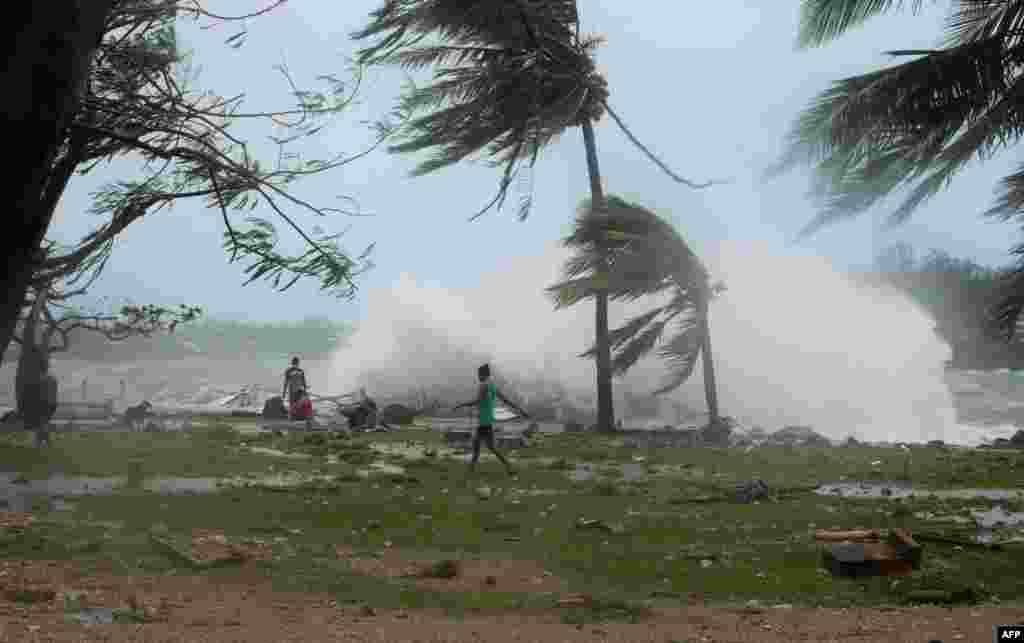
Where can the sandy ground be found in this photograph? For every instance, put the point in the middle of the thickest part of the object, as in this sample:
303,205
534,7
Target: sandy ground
244,607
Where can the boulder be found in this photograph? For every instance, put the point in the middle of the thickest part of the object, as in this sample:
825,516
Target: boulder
1018,439
751,490
274,409
396,414
573,427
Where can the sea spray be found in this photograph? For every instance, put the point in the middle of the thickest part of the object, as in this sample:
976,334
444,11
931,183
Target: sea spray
796,343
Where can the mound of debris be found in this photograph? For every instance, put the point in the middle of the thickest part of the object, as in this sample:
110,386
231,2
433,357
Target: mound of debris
274,409
797,436
1015,442
397,414
747,492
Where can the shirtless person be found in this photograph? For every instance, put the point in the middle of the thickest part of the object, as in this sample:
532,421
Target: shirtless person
294,384
485,398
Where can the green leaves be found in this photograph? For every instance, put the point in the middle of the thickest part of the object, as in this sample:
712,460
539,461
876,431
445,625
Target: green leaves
511,76
645,257
825,20
324,259
915,125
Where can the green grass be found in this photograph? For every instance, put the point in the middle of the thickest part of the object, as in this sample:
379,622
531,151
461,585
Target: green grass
658,535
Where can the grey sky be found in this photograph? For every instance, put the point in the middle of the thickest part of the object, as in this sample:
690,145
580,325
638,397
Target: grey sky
713,92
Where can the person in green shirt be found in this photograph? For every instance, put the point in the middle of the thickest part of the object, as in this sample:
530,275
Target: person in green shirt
487,393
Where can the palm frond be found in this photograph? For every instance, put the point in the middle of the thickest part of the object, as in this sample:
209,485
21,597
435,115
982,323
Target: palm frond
1006,314
921,121
681,353
981,20
646,256
825,20
571,291
512,75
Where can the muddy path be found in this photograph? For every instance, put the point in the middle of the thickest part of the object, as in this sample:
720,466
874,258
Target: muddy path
244,606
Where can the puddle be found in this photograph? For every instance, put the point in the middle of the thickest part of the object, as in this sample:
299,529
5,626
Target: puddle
629,471
21,496
412,450
187,486
998,516
904,490
93,616
26,496
582,473
381,468
277,453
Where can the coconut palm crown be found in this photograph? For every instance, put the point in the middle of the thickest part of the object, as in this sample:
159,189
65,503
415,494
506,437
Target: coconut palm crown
648,257
510,76
915,125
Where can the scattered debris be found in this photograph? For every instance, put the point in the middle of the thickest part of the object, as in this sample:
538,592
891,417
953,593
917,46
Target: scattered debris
576,600
798,436
614,528
442,569
210,547
15,520
860,554
854,535
747,492
397,414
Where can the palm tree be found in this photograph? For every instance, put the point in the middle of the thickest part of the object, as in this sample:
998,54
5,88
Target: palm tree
515,74
918,123
645,256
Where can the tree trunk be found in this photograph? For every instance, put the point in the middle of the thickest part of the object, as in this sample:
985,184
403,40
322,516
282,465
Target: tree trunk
708,363
30,362
49,45
605,404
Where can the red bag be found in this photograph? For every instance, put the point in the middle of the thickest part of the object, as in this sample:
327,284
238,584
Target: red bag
302,409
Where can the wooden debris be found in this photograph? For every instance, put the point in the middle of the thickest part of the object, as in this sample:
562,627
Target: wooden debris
576,600
854,535
15,520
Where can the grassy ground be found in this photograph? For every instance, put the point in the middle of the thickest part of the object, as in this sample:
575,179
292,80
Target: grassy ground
658,539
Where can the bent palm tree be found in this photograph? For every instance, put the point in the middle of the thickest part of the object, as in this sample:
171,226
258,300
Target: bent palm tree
520,74
919,122
645,257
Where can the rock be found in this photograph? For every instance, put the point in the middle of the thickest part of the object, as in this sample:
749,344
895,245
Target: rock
274,409
852,442
531,429
936,443
752,490
717,434
573,427
1018,439
396,414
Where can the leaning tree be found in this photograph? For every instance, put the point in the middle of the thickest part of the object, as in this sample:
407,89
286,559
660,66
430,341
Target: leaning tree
913,126
647,258
511,75
117,84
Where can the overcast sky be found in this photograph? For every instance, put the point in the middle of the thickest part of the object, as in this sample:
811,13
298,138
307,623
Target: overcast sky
713,92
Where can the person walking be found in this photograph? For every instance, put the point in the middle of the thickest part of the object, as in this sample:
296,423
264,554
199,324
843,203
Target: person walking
487,393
